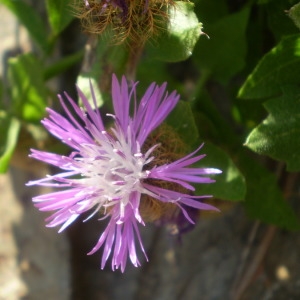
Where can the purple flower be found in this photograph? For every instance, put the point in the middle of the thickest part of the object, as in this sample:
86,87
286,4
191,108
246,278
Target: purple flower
113,172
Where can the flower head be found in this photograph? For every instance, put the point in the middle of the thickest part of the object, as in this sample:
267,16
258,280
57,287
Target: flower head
120,173
134,19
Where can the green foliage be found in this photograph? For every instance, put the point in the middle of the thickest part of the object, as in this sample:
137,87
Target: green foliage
28,91
294,14
224,53
275,81
60,14
8,141
177,41
264,199
211,11
277,68
182,121
62,65
230,185
278,135
277,76
278,21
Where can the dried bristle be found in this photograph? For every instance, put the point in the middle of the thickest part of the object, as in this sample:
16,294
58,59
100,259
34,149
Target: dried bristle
170,148
152,210
140,22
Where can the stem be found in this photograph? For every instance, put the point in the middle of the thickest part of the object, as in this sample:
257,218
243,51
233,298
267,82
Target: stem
246,279
135,54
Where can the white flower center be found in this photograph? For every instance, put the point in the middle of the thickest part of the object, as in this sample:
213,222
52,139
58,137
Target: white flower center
111,170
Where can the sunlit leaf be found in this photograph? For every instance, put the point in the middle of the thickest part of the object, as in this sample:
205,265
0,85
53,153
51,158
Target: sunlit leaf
294,14
10,128
278,135
177,41
279,67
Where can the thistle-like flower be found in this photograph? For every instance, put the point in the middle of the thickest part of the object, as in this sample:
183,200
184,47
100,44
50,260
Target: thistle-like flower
134,19
122,173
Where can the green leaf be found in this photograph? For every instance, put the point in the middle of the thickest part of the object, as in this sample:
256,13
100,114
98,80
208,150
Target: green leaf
223,55
177,41
230,185
210,11
150,70
2,99
30,19
8,141
28,89
59,14
182,121
279,67
62,65
263,1
278,21
264,199
278,135
294,14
